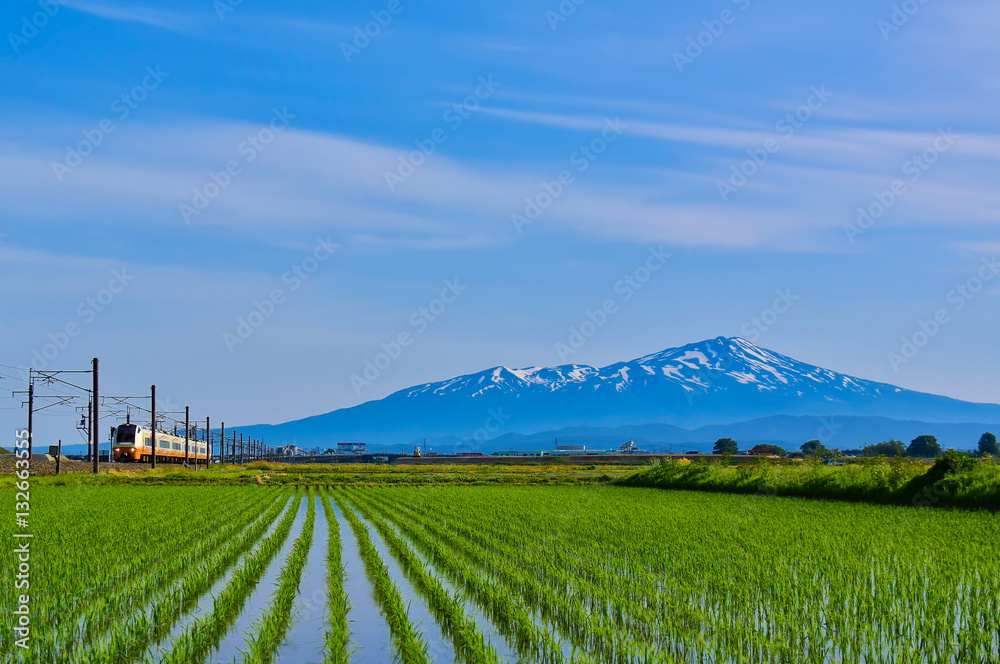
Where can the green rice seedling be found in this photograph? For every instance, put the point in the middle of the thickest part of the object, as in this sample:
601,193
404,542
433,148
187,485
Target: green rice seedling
71,525
141,629
555,595
469,642
533,641
544,588
270,629
409,645
337,634
88,560
744,579
193,644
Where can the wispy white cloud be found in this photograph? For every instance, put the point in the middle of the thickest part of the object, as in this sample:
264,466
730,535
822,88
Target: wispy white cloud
155,16
313,179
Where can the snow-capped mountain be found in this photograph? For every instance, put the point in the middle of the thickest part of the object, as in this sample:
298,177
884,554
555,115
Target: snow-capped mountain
716,381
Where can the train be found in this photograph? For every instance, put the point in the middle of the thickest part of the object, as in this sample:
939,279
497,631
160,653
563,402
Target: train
132,442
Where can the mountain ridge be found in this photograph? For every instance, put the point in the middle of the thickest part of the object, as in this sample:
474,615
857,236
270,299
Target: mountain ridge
712,382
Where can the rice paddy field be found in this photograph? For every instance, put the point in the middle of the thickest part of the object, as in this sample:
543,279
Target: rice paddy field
591,573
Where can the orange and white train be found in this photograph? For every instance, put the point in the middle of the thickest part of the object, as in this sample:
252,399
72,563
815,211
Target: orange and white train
131,442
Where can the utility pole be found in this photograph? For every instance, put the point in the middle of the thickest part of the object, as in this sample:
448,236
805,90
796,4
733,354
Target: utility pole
222,444
90,430
31,412
152,428
59,456
96,421
208,441
187,432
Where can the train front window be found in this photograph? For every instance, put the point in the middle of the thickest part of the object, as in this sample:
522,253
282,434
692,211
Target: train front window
126,433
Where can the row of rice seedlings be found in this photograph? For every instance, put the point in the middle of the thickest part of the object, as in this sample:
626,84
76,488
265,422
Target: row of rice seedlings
528,549
193,645
763,581
543,587
337,634
131,566
73,575
161,578
530,579
131,637
898,594
609,609
105,616
272,626
507,612
203,604
555,594
410,646
468,640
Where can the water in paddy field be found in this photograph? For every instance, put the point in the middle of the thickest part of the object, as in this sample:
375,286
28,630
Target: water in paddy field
439,646
205,602
505,651
304,641
370,640
260,598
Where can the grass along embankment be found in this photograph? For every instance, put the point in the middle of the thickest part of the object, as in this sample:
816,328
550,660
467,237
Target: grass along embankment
307,474
954,480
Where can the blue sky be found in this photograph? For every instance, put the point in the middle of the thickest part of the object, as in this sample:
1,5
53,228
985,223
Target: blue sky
645,125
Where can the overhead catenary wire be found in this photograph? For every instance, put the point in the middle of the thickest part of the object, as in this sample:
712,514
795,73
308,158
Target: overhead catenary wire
66,405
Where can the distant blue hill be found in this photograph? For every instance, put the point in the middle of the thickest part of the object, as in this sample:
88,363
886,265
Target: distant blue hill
719,387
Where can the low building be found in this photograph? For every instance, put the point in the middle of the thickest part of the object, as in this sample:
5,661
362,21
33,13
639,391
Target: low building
352,448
